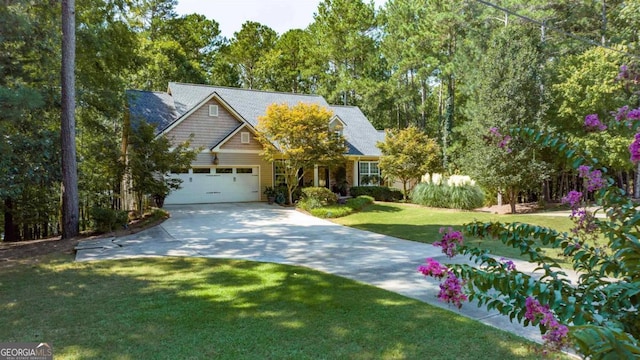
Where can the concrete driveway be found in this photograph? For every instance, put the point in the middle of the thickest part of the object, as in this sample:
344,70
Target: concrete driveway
270,233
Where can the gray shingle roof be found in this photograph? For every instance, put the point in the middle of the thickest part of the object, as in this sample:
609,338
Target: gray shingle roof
250,104
360,134
157,108
163,109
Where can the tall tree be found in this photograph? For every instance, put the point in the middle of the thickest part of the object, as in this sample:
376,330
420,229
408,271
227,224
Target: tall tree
505,92
282,67
247,49
70,211
345,64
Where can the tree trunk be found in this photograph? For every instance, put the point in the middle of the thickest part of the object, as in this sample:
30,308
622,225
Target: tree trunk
10,229
70,219
512,199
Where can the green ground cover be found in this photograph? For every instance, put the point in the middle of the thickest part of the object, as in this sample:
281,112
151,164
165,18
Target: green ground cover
191,308
423,224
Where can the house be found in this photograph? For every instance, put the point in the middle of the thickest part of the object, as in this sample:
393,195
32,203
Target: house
222,121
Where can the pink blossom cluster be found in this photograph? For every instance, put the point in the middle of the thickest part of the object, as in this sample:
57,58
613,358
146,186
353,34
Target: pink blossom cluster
627,115
585,221
556,335
593,123
594,180
450,241
433,269
451,290
503,139
511,266
573,199
628,74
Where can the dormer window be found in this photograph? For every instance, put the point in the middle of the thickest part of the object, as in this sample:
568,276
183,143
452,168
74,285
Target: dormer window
336,126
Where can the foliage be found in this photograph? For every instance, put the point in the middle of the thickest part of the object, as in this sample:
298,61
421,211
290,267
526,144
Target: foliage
443,195
379,193
248,49
301,136
506,92
314,197
600,308
106,219
150,158
408,154
349,207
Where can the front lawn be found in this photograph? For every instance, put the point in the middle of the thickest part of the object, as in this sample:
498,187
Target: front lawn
422,224
190,308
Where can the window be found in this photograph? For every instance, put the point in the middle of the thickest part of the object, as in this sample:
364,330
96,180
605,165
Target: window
279,176
244,137
201,170
369,173
213,110
336,127
224,170
244,171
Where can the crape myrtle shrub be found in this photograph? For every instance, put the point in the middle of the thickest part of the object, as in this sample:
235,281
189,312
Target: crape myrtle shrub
597,314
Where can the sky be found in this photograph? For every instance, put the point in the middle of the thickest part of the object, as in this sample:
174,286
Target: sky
280,15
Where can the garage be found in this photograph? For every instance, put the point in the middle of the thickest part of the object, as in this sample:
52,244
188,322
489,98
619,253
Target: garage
217,185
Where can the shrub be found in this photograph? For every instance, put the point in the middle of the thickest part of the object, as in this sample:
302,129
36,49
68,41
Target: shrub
429,194
465,197
321,194
335,211
379,193
359,202
106,219
442,195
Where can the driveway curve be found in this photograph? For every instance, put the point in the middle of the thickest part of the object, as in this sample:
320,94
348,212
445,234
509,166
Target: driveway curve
270,233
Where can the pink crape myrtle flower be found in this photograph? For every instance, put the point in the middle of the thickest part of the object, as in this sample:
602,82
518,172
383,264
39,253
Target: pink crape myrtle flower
450,241
556,335
508,263
594,180
433,268
573,199
451,291
592,123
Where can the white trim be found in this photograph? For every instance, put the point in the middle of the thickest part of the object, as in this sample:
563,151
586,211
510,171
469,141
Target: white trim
336,117
356,171
236,151
213,110
245,137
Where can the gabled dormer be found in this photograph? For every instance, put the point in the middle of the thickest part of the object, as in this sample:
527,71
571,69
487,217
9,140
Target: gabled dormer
336,125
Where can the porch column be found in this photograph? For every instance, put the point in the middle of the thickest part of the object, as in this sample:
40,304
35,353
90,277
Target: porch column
315,175
356,181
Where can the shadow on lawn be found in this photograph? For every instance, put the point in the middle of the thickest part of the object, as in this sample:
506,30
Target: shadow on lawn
192,308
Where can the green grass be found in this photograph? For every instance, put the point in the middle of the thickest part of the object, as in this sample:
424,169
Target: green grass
422,224
191,308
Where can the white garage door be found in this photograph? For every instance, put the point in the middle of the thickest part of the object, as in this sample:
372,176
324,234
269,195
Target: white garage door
215,185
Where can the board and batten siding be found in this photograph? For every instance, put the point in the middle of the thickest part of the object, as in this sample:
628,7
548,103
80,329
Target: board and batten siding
239,159
207,130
